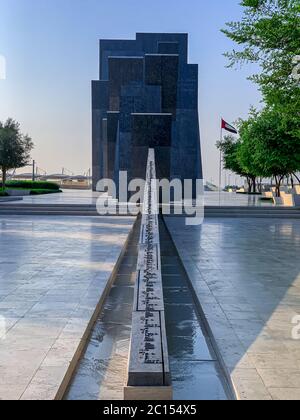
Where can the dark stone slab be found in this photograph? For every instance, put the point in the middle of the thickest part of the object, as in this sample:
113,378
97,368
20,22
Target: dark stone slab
112,133
115,48
121,71
163,70
99,108
168,48
104,148
151,130
148,42
148,75
99,94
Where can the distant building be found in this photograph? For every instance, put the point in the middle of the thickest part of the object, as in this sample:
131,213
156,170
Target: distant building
147,96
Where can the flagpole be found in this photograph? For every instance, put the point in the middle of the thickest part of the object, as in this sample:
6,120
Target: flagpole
228,127
220,168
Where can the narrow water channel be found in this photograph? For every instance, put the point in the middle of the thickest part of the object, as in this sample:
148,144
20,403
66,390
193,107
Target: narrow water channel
196,372
101,372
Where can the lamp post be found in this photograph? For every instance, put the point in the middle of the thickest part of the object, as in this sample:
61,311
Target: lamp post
33,170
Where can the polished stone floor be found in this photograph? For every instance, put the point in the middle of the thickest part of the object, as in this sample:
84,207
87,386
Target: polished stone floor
195,370
53,273
246,274
102,370
224,199
69,197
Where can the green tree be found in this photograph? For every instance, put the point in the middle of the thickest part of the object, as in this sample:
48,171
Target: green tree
267,148
15,148
269,33
230,148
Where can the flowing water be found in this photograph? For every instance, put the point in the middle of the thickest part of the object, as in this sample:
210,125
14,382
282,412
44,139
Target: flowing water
196,373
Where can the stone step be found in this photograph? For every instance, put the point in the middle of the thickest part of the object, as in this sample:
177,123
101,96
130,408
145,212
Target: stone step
246,210
50,206
254,216
11,203
47,213
90,210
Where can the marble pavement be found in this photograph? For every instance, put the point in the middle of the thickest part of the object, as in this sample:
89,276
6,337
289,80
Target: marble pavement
246,277
53,274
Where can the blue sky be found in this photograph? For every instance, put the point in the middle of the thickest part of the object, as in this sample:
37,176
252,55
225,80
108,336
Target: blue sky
51,51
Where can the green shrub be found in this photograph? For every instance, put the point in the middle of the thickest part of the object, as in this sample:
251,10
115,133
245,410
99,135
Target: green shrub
3,194
42,191
266,199
33,185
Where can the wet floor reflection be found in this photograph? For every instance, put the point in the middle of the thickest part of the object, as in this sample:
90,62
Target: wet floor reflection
101,373
196,374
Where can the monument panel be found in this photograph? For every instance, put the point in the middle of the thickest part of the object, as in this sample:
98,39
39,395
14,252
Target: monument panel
148,75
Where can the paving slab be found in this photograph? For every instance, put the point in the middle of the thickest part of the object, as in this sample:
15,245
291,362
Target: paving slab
88,197
102,369
61,269
246,278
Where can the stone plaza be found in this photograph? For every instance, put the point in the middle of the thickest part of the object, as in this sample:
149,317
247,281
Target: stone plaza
144,307
244,274
54,274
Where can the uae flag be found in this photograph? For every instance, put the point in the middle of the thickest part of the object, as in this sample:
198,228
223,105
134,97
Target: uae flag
228,127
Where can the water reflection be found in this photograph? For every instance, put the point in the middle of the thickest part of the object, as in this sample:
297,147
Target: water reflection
196,374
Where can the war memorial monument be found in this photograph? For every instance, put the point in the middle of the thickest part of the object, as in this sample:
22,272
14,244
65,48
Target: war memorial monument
126,307
147,97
